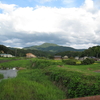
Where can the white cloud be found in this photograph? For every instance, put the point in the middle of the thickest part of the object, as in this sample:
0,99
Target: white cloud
7,8
89,5
77,27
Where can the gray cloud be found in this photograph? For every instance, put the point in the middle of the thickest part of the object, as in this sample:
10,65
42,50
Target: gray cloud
75,27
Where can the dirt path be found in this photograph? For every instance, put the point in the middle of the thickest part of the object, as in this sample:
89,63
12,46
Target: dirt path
86,98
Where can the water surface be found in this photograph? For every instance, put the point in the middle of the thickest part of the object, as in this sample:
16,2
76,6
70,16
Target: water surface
8,73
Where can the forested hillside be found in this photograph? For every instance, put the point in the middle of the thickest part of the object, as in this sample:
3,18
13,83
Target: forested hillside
90,52
52,48
22,52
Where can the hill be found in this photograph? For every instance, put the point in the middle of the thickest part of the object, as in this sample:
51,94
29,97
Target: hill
50,47
5,49
22,52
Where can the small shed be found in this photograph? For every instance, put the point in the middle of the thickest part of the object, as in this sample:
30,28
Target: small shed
57,57
30,55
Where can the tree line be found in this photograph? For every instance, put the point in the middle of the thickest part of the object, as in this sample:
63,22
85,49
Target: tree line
90,52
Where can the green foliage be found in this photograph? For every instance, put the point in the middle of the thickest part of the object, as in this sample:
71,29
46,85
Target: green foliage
16,63
88,61
51,48
69,62
44,80
1,76
6,49
29,85
41,63
75,84
22,52
70,53
92,51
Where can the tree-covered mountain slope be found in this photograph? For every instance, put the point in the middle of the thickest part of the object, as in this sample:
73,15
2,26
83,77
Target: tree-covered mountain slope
52,48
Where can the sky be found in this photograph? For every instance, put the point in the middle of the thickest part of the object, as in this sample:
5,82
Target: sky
71,23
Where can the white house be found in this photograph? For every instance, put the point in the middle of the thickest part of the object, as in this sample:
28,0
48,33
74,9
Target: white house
65,57
77,58
6,55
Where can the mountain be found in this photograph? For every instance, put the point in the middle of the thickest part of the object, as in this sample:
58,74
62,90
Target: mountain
4,49
21,52
45,45
50,47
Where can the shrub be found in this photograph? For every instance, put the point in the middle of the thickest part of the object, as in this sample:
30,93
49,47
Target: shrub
75,84
1,76
88,61
69,62
41,63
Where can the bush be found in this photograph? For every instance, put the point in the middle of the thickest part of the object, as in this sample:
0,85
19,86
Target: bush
88,61
41,63
69,62
1,76
75,84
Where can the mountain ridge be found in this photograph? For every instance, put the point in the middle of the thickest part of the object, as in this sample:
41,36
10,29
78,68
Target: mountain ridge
52,48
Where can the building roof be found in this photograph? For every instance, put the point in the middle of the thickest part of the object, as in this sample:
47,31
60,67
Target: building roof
30,54
57,56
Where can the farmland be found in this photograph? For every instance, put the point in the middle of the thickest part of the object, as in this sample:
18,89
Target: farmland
49,80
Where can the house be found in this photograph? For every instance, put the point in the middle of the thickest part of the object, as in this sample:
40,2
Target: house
30,55
85,57
81,58
77,58
65,57
6,55
57,57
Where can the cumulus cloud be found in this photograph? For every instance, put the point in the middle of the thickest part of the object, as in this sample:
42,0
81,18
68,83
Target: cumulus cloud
27,26
7,8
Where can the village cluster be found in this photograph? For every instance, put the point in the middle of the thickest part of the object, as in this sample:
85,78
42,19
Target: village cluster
30,55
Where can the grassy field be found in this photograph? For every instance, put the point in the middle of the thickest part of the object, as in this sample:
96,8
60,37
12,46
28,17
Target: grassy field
16,63
85,69
29,85
50,80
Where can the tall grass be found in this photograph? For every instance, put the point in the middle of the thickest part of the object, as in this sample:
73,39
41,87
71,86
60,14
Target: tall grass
30,85
45,80
16,63
1,76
